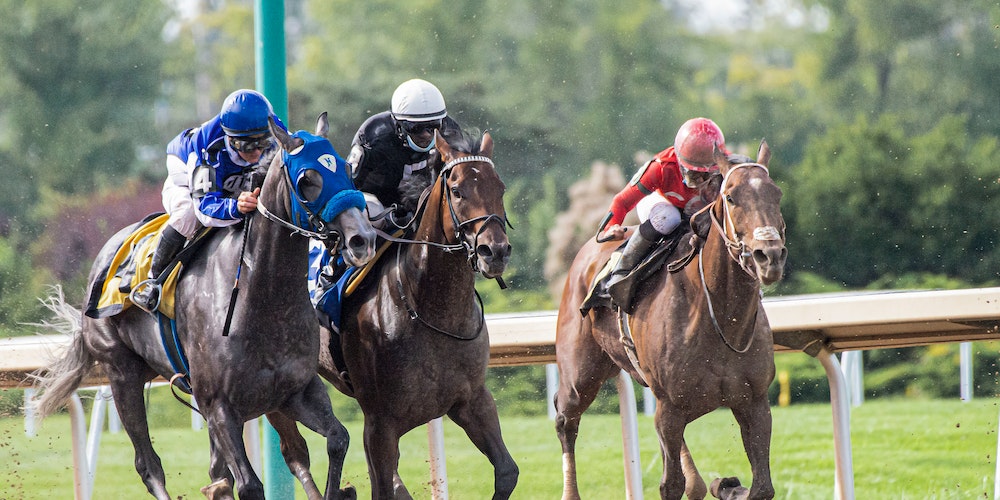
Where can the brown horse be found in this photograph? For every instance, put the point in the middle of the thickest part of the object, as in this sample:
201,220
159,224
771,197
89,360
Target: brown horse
702,339
413,334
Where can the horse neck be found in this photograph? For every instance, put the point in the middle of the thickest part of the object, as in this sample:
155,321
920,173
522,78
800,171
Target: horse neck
435,271
735,294
279,257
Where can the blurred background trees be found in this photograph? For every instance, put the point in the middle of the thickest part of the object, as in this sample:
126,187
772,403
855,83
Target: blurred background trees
882,115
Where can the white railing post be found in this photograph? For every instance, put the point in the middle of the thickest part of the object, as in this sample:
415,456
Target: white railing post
965,371
551,386
630,437
30,418
439,468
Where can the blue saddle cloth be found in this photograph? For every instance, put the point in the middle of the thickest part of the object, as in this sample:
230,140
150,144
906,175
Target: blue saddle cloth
327,299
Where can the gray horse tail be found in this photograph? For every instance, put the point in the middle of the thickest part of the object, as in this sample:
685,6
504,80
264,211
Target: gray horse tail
63,375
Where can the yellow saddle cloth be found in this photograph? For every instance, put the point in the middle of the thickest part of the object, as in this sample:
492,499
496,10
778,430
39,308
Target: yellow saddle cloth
130,266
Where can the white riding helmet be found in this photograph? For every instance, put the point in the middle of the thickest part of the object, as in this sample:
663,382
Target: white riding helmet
418,101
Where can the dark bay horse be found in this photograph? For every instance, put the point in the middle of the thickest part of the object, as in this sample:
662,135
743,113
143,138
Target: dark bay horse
414,336
702,339
268,360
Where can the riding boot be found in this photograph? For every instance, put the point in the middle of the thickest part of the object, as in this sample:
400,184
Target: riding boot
635,251
146,295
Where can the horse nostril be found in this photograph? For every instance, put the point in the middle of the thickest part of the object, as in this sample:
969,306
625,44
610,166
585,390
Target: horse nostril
357,243
484,251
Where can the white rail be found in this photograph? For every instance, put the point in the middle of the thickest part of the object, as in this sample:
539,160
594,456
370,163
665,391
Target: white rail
818,325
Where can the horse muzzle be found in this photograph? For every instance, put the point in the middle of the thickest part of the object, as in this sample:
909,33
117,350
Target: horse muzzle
493,258
770,263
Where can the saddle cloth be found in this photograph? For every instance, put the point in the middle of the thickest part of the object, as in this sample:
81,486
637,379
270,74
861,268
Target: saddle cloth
327,297
129,267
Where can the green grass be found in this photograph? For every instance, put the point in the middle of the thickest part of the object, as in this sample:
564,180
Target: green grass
902,449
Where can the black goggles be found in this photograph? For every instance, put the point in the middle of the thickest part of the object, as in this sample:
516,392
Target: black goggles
417,128
249,144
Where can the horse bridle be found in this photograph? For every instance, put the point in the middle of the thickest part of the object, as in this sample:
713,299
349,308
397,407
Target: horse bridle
738,249
470,249
460,225
742,257
323,232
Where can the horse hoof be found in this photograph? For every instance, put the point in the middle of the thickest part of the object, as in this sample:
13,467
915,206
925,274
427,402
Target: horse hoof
348,492
219,490
728,488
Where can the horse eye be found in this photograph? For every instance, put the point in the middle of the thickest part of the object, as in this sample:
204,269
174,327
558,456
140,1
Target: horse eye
730,200
310,185
455,192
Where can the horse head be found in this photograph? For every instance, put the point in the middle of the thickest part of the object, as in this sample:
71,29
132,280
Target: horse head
749,209
311,188
474,193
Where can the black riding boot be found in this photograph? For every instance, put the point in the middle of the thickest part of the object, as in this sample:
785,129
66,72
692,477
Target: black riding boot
635,251
147,294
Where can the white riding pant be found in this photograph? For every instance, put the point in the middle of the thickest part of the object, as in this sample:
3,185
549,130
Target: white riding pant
176,196
661,214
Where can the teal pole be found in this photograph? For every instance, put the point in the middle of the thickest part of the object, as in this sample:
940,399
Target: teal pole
269,54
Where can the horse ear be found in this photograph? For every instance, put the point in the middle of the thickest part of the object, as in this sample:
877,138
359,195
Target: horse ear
721,159
322,125
763,153
442,146
486,145
288,142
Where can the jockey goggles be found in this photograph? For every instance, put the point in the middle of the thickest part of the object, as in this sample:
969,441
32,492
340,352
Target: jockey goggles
249,144
695,178
417,128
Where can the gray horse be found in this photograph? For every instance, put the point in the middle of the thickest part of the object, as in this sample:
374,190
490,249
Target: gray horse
267,363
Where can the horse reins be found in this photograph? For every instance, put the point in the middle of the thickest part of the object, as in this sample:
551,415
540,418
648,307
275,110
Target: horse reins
470,249
742,258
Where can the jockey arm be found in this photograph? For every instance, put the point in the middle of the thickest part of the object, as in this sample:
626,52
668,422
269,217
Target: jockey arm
645,182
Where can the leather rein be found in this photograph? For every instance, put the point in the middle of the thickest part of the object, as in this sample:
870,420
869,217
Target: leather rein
737,250
470,249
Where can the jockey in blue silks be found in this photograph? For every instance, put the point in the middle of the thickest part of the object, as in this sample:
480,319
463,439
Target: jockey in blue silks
208,181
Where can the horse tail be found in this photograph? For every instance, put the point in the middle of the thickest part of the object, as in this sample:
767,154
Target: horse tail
64,375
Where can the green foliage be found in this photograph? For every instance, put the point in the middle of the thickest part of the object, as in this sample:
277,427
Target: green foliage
905,205
20,288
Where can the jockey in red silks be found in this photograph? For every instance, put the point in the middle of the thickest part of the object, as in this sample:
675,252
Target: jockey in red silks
663,189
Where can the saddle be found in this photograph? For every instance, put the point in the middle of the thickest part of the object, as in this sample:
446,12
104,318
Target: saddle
130,266
622,293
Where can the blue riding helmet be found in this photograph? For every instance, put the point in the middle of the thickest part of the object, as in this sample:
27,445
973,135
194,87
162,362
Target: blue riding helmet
244,113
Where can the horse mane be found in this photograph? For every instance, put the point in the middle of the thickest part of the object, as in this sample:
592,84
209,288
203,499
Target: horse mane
467,141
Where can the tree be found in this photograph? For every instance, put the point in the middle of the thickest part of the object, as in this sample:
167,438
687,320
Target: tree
78,102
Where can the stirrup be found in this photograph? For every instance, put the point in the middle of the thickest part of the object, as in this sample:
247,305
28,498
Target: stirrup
146,295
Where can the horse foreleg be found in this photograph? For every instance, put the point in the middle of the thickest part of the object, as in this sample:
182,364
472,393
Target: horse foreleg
694,484
226,431
221,487
755,427
670,428
295,452
126,375
479,419
382,453
312,407
583,368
